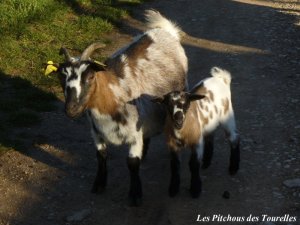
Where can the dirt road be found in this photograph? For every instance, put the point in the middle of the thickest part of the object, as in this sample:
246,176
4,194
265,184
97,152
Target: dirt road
259,43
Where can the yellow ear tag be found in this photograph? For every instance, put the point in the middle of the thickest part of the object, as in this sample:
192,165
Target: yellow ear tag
50,68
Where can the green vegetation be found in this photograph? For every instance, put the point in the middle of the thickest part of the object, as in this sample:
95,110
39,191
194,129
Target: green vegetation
31,33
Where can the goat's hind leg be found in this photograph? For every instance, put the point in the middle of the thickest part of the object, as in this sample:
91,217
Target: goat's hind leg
234,163
145,147
234,139
208,150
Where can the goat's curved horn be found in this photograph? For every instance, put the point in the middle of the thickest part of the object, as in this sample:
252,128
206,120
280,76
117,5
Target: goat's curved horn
64,51
89,50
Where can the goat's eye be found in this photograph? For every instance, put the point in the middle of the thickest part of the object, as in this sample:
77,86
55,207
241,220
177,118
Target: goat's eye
90,78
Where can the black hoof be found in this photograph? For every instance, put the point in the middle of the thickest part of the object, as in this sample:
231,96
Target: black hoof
205,165
174,186
97,189
195,193
196,188
173,190
233,170
135,201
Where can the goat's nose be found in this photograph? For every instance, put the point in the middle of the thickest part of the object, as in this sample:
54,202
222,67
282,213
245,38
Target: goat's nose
70,106
178,116
71,109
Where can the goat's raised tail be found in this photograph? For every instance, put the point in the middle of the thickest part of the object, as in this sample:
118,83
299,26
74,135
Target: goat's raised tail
156,20
221,74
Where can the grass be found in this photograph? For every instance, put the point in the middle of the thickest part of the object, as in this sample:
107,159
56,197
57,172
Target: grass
31,33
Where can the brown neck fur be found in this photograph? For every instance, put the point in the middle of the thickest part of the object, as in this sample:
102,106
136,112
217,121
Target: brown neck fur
101,96
190,131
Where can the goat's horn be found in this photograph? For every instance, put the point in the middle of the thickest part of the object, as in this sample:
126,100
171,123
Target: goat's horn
89,50
64,51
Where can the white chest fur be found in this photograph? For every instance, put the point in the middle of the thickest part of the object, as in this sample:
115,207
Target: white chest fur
110,130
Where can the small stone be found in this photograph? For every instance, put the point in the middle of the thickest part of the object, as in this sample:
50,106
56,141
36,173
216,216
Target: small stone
277,194
226,195
79,216
292,183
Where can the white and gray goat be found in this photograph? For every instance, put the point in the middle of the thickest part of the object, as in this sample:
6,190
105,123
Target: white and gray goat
191,120
116,96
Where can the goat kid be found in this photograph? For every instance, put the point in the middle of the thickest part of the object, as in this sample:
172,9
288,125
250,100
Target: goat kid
116,96
192,119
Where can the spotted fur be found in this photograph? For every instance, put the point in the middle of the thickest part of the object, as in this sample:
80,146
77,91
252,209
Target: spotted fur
193,117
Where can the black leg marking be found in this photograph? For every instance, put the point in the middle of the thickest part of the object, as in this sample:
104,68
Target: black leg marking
234,157
175,177
208,150
194,164
135,191
145,147
101,177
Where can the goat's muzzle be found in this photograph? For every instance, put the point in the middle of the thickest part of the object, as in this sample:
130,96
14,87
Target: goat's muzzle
73,110
178,119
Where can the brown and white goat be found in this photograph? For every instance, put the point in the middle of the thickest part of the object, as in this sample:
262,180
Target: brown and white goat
192,118
116,96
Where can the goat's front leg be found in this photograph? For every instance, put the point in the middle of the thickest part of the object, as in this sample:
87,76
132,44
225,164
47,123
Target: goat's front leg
194,164
175,170
133,162
101,177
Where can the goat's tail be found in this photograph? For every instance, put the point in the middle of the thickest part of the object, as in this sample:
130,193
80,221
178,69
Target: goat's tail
155,20
221,74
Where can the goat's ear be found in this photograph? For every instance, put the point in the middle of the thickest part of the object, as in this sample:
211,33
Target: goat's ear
194,97
158,100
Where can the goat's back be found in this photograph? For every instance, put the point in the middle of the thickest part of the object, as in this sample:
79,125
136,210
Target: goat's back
216,107
154,64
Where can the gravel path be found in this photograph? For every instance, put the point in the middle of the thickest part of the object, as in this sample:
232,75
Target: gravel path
258,41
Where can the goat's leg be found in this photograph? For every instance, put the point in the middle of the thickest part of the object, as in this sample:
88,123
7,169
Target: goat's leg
145,147
208,150
194,163
133,162
234,139
175,177
135,191
234,155
101,177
